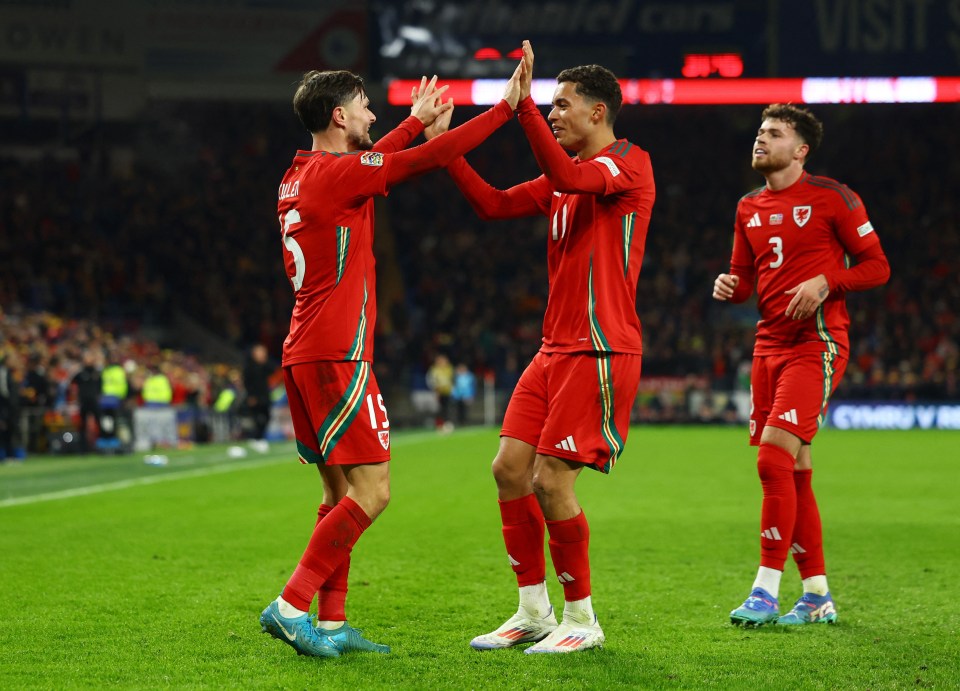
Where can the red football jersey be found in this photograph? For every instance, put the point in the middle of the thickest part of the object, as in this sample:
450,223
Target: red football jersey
595,248
595,243
788,236
340,250
326,220
326,217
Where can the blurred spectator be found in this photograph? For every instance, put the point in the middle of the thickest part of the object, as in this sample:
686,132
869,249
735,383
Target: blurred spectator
11,446
464,391
87,384
440,381
157,389
256,386
113,397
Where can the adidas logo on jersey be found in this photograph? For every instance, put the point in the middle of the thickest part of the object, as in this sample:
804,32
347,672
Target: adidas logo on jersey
795,548
789,416
771,533
754,221
565,578
567,444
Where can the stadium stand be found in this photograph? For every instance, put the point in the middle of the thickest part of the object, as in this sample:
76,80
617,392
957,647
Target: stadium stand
123,233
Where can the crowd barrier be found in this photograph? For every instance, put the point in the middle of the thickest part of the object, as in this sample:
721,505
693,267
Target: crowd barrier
147,428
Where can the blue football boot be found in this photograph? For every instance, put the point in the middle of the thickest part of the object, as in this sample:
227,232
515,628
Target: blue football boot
297,632
811,609
348,640
758,609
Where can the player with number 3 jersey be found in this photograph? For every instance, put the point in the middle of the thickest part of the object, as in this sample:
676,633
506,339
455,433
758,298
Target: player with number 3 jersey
795,238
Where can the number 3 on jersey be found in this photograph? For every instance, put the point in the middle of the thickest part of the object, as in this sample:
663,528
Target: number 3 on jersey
299,262
777,243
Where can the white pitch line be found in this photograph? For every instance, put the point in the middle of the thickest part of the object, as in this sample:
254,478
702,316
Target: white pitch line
404,439
133,482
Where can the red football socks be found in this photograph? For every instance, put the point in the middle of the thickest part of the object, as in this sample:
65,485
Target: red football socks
779,512
523,530
332,540
332,595
807,545
569,546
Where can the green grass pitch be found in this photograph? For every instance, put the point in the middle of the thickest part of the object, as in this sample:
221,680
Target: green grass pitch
118,574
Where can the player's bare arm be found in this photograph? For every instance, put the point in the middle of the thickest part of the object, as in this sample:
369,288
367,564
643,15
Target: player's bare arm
724,286
428,102
807,297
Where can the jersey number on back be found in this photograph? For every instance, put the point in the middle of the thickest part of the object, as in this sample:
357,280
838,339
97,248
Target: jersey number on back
299,262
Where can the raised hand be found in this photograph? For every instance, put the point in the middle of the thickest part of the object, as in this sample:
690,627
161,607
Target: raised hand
428,102
441,124
526,82
511,93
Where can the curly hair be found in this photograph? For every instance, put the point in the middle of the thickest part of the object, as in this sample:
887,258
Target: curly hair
804,122
319,93
596,83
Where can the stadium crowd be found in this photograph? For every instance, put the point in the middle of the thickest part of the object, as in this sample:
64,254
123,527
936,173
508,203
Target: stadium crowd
176,216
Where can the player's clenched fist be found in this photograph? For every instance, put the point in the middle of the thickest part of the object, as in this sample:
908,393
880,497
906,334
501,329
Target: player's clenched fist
724,286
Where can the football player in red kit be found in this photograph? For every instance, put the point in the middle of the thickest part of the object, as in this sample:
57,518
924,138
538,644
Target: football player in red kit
794,238
571,408
339,418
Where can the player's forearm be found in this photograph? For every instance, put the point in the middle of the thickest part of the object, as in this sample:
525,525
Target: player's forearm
744,287
480,195
871,270
489,203
561,171
399,138
444,149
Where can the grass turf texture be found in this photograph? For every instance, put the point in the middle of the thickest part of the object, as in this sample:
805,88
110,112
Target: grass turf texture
155,577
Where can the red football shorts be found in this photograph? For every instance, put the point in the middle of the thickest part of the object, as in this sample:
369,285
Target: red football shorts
575,406
338,413
791,392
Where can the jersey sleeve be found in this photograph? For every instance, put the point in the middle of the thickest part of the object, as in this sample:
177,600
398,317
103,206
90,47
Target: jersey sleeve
360,175
447,147
859,240
623,168
526,199
742,262
400,136
565,175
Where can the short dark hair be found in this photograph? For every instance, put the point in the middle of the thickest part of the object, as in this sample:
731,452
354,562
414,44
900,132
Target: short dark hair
804,122
596,83
319,93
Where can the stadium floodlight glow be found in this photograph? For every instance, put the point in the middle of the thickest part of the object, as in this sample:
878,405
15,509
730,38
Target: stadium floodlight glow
481,92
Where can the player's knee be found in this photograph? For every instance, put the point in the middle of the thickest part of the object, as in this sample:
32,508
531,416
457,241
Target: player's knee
376,501
508,475
545,484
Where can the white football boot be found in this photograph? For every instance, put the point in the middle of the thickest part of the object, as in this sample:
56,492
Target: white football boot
522,627
574,633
